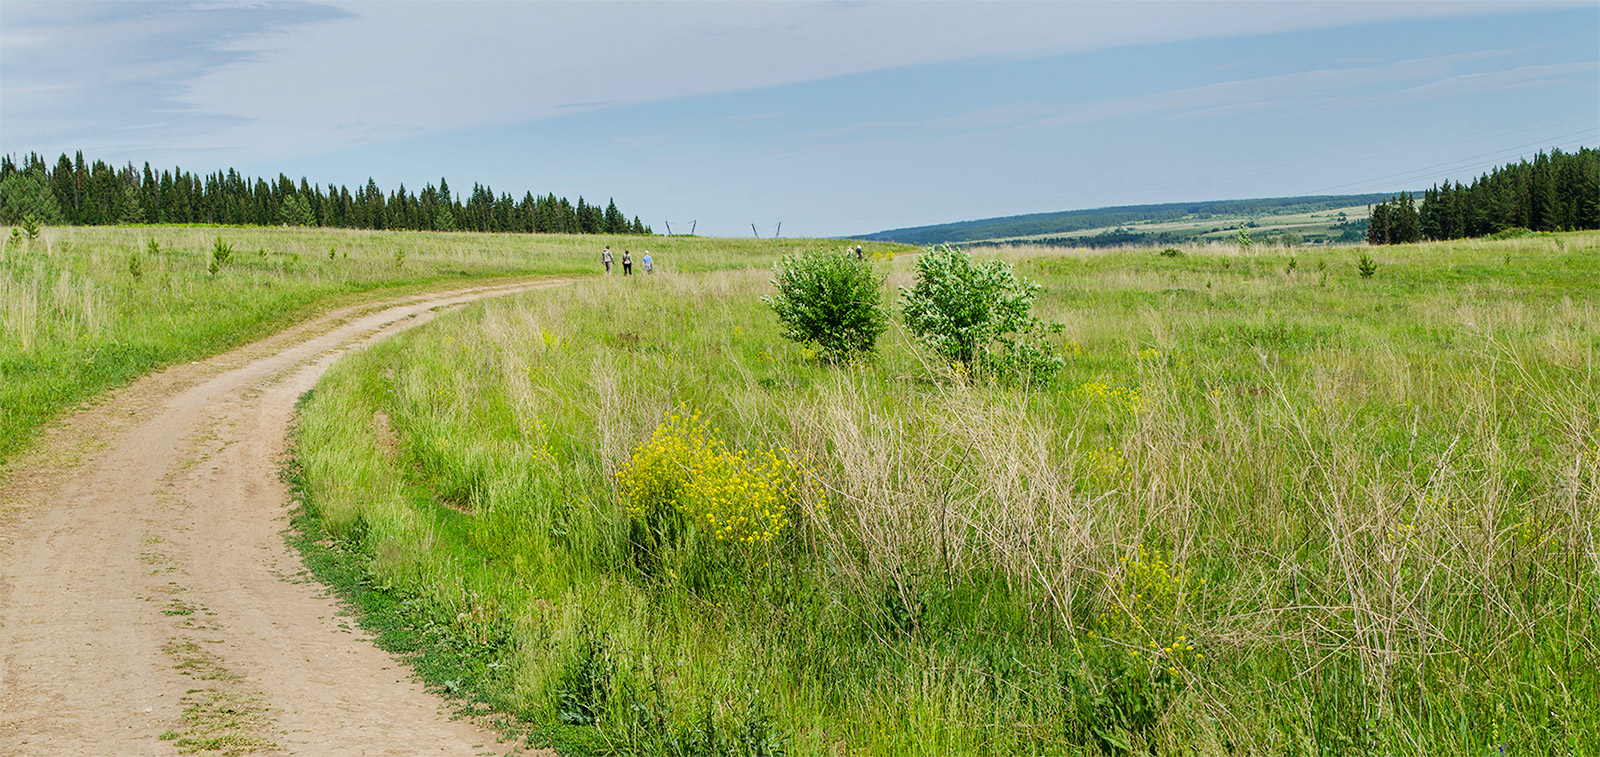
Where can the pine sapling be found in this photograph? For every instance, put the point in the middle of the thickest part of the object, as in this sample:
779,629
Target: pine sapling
221,252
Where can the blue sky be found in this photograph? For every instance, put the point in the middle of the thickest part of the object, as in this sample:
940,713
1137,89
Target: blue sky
833,118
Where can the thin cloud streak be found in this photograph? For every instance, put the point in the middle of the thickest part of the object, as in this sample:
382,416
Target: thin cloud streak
274,80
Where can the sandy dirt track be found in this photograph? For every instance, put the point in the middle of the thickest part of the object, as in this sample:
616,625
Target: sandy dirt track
148,601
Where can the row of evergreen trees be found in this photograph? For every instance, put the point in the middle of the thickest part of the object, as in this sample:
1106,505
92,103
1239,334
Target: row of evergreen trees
1556,192
75,192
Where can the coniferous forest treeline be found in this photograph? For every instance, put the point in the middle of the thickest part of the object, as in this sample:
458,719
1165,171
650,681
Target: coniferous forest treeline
1556,192
79,193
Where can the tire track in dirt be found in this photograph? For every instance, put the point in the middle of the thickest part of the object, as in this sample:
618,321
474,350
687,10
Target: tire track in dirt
148,602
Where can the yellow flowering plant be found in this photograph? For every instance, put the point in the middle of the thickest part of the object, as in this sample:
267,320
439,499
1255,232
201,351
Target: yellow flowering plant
685,488
1131,668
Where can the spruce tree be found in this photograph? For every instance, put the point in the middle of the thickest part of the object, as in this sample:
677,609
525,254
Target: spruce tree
27,194
1378,224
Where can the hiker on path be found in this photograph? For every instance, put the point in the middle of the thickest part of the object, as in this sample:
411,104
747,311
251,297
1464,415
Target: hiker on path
605,257
649,265
627,263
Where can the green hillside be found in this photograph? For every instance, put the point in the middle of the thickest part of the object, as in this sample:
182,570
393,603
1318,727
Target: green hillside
1101,226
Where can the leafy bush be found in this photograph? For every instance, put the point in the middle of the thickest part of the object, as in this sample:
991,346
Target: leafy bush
832,300
978,315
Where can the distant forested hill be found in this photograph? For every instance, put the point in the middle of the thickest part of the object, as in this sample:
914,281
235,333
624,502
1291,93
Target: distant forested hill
1069,221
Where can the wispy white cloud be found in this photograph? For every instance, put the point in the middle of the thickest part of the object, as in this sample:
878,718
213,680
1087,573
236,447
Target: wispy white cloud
1299,91
1499,81
275,79
92,73
641,141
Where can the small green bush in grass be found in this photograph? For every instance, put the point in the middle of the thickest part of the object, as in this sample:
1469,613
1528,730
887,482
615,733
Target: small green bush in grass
978,315
831,300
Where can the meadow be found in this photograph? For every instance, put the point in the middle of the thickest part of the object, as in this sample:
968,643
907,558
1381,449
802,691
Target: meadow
1269,506
85,309
1224,227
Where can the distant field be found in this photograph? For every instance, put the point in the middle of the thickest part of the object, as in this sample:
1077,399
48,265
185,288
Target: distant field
75,320
1315,227
1104,227
1270,507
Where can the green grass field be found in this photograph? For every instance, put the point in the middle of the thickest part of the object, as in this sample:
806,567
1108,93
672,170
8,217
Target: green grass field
75,321
1269,507
1223,228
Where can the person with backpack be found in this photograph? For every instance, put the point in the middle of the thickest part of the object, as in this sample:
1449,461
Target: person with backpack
627,263
649,264
605,257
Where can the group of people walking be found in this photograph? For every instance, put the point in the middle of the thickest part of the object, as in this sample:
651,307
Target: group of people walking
647,262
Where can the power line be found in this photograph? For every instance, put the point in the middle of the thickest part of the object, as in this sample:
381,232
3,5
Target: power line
1492,158
1392,149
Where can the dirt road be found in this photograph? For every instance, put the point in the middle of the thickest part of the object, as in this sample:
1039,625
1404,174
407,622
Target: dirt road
148,603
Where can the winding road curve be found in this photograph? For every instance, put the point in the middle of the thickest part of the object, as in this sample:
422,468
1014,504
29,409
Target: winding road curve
148,602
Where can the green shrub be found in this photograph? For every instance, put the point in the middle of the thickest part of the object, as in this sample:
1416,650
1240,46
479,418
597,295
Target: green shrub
221,252
831,300
1366,266
978,315
1514,232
